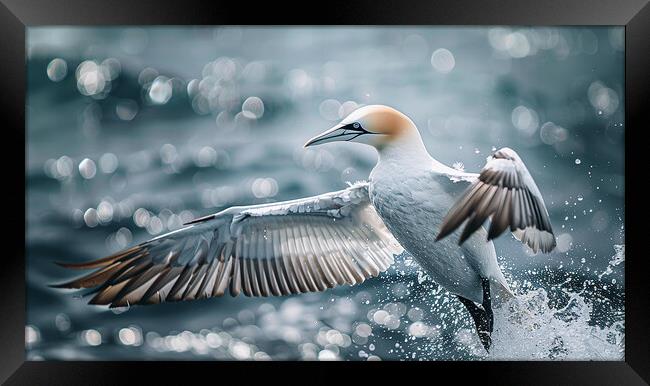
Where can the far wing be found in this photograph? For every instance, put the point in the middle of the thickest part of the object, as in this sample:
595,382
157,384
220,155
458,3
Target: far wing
506,192
305,245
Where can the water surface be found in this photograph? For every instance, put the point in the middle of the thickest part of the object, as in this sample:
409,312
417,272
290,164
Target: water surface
131,132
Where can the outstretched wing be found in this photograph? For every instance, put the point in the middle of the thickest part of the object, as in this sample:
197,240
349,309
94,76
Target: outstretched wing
505,192
304,245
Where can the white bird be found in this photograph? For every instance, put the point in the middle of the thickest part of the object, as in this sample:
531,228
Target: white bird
344,237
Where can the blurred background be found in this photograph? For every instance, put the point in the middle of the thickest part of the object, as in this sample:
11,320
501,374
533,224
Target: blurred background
133,131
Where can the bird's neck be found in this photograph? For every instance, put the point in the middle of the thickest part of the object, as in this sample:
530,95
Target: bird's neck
406,151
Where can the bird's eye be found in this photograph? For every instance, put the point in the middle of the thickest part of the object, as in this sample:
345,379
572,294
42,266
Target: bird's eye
355,125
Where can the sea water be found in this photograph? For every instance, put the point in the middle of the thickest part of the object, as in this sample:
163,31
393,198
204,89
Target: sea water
131,132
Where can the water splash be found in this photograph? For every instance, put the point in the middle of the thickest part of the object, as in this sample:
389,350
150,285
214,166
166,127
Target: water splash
529,328
618,258
536,325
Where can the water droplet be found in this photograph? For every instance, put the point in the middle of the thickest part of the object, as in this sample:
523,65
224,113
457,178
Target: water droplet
87,168
57,70
160,91
443,60
253,108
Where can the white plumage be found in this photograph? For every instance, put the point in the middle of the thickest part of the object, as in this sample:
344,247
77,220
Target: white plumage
347,236
304,245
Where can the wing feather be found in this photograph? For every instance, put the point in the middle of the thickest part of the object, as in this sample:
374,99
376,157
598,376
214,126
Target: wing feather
229,267
291,247
506,193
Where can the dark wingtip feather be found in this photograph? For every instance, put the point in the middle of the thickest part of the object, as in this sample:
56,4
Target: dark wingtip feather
459,212
64,265
450,223
84,265
497,228
493,234
464,236
444,232
95,301
99,263
66,285
86,281
473,224
200,219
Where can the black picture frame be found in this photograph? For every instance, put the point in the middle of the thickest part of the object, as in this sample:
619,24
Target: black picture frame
16,15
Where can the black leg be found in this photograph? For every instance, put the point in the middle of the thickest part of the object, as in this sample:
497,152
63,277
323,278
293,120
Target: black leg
487,302
483,317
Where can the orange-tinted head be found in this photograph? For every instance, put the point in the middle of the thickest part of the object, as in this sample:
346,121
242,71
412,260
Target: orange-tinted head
375,125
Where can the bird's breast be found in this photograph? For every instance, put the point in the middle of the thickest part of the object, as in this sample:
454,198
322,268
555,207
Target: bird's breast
412,207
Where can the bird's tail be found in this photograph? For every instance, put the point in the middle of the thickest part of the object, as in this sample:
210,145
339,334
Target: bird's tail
501,293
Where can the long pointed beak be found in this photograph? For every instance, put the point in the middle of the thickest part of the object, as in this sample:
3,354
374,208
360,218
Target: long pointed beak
339,132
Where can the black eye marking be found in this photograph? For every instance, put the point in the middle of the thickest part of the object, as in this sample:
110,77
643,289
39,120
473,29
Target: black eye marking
356,127
353,129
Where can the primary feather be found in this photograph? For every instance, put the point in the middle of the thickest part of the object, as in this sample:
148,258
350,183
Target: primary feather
505,192
305,245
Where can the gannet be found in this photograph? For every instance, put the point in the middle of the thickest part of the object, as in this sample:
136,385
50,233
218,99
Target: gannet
411,202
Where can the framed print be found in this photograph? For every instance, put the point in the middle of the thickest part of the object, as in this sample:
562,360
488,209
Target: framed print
431,186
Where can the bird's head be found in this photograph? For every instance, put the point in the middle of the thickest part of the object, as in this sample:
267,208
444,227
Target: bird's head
374,125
